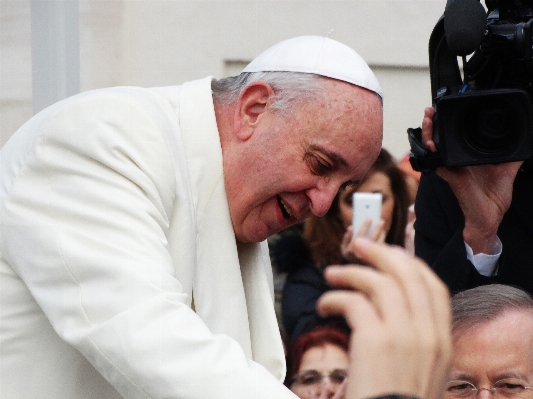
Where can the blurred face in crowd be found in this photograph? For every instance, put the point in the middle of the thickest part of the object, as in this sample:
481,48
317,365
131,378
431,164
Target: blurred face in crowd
496,353
323,368
374,182
292,165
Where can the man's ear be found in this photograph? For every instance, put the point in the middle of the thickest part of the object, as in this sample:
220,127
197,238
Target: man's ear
251,105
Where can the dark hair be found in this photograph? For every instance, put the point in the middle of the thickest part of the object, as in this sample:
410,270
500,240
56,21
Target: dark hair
324,234
318,336
485,303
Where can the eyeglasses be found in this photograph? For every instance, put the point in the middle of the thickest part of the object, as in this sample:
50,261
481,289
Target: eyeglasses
506,388
313,377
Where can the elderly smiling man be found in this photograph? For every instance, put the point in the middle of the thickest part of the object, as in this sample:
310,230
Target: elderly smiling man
492,344
133,261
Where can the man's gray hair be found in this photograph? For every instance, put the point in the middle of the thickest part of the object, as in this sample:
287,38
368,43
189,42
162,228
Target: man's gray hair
481,304
289,87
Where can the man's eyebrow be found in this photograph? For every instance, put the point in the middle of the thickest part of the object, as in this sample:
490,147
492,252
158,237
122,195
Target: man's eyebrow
511,374
333,155
507,374
461,377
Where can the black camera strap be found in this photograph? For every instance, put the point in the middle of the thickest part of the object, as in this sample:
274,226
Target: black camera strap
444,72
443,66
421,159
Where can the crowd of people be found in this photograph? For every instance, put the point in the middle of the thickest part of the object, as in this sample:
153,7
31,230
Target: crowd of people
134,261
321,241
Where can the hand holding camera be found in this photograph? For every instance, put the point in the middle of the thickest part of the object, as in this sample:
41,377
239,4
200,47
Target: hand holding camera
484,193
480,129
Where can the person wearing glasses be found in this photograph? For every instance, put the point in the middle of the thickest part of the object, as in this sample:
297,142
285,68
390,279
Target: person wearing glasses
492,333
317,364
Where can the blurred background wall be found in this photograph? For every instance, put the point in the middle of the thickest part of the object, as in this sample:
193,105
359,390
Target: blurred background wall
166,42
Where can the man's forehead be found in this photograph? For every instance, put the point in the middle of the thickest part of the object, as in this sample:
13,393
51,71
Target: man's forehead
497,348
347,126
512,324
343,100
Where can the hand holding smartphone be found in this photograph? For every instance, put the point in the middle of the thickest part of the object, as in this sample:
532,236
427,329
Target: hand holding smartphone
366,206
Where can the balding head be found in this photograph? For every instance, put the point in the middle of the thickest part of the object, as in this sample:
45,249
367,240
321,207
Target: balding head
484,303
492,344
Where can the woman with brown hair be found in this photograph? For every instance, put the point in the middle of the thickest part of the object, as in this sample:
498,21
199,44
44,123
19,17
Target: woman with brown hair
325,242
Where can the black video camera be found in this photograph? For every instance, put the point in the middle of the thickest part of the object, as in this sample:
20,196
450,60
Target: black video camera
484,117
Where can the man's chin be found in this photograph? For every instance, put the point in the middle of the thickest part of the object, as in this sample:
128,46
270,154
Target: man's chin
256,233
253,237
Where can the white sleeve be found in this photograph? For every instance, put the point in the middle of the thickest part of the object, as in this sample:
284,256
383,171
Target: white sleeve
485,264
85,225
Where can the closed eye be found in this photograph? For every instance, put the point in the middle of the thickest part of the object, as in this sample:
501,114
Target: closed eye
317,165
460,387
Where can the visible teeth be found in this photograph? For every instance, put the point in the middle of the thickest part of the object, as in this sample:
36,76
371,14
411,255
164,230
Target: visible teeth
287,209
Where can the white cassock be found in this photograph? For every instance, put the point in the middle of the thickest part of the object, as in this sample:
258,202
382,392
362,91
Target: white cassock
113,217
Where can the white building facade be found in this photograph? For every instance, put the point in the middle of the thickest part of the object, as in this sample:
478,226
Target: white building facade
167,42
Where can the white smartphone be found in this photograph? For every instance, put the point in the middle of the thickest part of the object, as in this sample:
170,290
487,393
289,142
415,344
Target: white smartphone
366,206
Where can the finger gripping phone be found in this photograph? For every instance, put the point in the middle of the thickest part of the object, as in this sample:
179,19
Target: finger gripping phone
366,206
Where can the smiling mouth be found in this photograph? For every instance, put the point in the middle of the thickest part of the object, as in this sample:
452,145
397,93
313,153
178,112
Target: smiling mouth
285,209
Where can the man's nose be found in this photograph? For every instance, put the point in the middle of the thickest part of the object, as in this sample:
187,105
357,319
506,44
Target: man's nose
321,197
484,393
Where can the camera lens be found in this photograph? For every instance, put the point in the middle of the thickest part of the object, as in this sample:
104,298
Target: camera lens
481,127
489,126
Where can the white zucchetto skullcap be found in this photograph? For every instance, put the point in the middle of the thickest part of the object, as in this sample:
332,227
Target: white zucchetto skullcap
319,55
